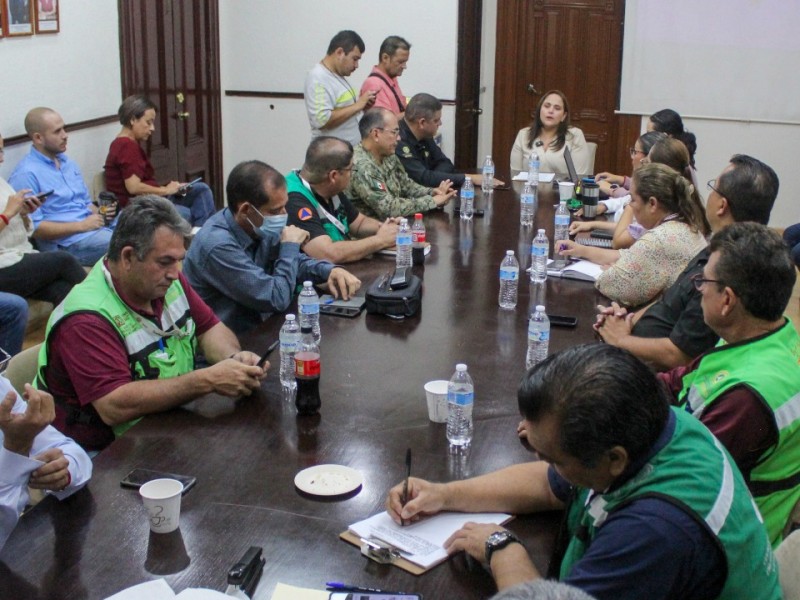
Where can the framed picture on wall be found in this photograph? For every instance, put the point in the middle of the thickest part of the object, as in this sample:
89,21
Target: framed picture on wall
46,16
18,17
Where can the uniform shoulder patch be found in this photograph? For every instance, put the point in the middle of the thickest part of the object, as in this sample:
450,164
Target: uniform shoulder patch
304,214
407,152
379,185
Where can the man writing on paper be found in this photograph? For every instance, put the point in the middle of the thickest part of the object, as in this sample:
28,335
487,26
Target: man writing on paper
747,389
382,80
421,156
317,203
671,331
122,344
380,187
655,508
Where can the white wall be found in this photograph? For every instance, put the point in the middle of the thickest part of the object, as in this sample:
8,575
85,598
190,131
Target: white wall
75,71
269,45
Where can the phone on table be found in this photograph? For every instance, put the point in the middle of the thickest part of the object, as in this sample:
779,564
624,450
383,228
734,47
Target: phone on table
372,596
138,477
562,320
185,187
328,305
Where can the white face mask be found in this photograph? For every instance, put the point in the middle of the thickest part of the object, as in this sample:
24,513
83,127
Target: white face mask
269,224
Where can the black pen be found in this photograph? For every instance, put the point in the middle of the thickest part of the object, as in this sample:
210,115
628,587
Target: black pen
271,347
404,499
336,586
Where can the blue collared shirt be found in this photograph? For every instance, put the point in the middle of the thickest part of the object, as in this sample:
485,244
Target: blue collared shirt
70,200
245,280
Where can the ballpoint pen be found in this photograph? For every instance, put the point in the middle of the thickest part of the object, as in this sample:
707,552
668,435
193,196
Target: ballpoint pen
405,483
337,586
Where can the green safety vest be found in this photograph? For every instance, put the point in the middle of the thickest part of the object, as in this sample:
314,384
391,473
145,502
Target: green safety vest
151,355
769,366
695,473
295,184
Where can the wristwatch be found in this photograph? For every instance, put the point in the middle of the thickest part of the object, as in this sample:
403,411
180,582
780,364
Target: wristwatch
497,541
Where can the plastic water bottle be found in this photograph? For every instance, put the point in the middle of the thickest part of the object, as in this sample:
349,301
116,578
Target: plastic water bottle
509,281
533,169
289,340
538,337
560,232
460,399
308,307
403,242
539,249
307,373
467,199
418,240
487,174
527,204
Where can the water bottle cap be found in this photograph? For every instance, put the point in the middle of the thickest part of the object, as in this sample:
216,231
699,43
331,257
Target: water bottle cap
509,253
290,317
403,221
305,329
417,216
540,231
461,367
539,308
468,179
307,284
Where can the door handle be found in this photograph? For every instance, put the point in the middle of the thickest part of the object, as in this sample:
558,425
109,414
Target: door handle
182,115
180,97
474,111
532,89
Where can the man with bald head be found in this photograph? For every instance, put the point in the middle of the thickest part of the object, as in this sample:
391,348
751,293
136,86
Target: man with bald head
380,186
67,219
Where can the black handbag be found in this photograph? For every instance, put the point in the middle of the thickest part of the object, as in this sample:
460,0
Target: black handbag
396,303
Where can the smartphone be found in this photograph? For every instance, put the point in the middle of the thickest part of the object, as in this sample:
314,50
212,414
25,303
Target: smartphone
185,187
44,195
138,477
399,279
372,596
602,234
562,320
264,356
328,305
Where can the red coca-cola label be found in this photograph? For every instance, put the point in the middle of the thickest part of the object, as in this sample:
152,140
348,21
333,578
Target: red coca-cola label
418,238
306,364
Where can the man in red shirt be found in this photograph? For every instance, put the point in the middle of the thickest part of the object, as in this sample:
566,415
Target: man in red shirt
122,344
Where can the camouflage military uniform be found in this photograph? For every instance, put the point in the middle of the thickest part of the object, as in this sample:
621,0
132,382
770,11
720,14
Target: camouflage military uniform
385,190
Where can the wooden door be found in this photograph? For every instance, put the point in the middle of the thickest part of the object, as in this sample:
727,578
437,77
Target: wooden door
468,83
571,45
170,52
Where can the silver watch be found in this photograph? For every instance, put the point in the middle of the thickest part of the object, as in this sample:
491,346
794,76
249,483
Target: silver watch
497,541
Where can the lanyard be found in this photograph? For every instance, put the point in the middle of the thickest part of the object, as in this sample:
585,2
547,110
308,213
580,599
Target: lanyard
324,213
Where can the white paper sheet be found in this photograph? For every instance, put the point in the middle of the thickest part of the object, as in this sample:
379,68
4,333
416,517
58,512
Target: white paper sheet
543,177
422,542
290,592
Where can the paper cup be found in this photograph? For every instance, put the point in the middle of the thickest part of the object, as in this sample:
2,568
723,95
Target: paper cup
162,498
436,393
565,190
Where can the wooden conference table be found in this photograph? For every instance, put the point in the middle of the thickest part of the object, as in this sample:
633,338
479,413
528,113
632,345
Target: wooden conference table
246,453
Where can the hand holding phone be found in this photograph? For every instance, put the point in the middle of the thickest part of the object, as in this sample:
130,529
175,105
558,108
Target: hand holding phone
187,186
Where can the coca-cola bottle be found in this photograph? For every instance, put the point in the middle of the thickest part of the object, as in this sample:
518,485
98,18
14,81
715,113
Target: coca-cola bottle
307,371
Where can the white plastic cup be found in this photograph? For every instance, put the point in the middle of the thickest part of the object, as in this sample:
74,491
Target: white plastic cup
162,498
565,190
436,393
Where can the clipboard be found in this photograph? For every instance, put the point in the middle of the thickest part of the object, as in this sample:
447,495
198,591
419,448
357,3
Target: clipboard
386,555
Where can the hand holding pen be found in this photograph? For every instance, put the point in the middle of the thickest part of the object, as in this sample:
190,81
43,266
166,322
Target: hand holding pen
405,483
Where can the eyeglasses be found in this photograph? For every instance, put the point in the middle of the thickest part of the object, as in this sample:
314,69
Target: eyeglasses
712,185
345,169
634,152
699,281
5,357
395,132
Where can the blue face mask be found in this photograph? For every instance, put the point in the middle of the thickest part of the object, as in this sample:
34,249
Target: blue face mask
274,223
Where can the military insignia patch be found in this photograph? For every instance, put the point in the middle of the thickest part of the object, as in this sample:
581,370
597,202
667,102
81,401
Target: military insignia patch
407,152
304,214
379,185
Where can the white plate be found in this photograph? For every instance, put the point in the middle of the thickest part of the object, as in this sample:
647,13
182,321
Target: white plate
328,480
